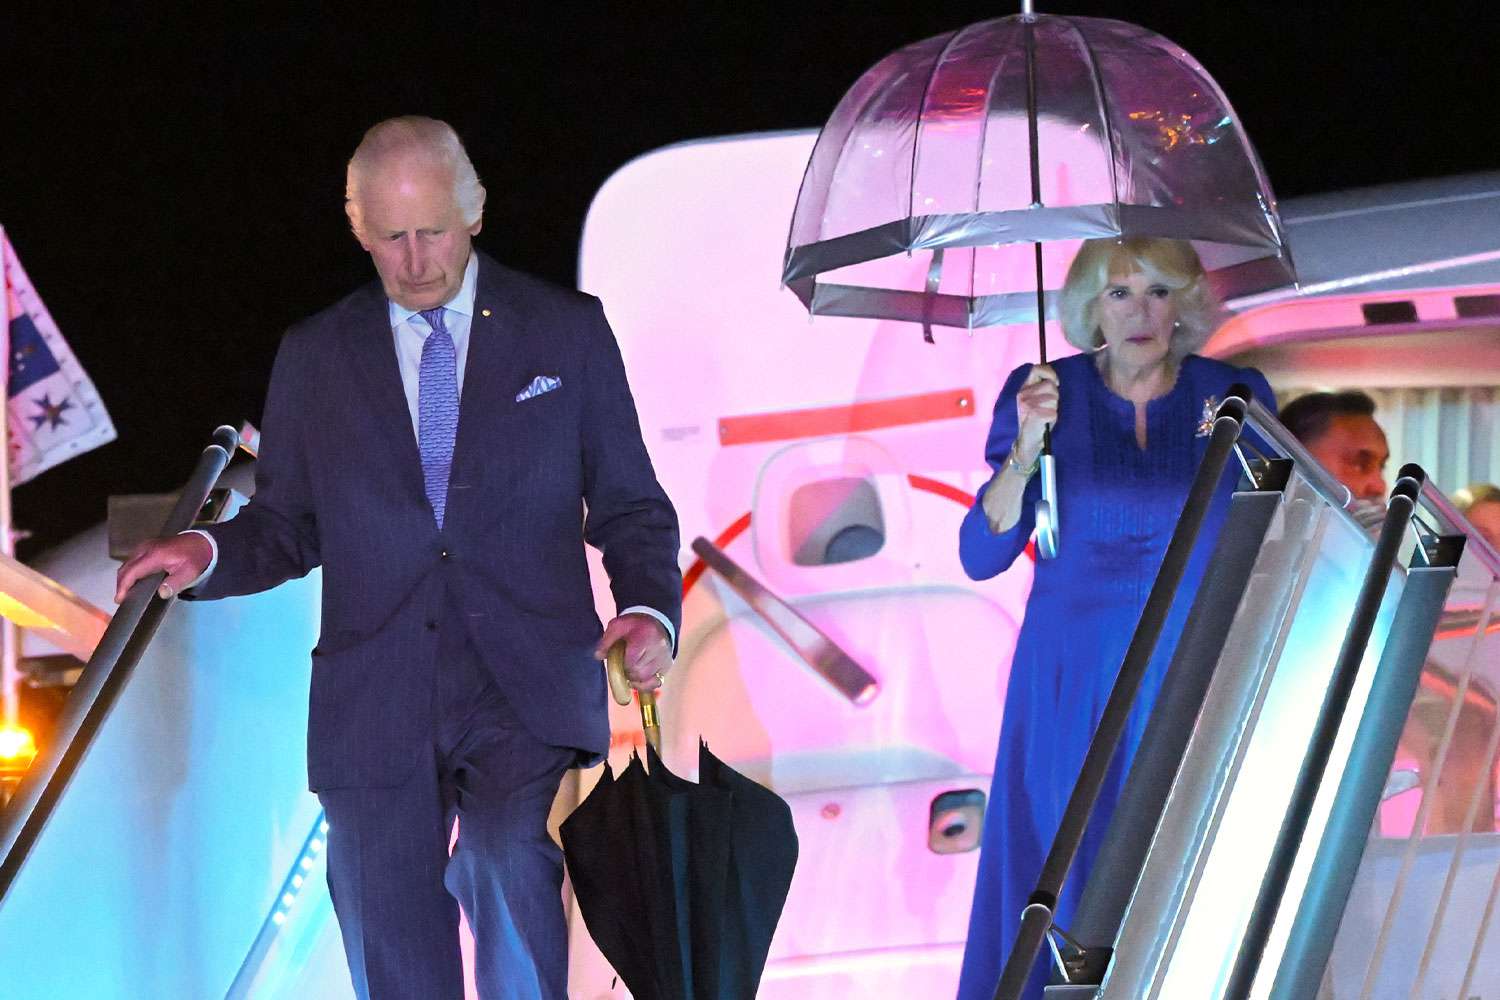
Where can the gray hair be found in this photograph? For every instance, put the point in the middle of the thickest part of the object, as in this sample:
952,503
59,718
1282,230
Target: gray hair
1474,494
1173,263
414,135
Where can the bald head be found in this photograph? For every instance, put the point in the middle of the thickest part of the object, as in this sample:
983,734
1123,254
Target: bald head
413,142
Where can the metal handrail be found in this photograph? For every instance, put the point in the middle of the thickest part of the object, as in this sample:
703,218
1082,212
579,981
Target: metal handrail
1330,716
102,680
1036,919
1122,855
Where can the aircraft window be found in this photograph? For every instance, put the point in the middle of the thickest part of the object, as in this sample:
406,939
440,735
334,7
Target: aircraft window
955,820
1389,312
1473,306
834,521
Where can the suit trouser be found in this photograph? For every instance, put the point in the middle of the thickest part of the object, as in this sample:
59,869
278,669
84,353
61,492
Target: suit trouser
396,890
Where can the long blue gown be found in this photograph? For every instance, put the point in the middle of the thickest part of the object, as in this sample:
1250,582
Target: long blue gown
1118,505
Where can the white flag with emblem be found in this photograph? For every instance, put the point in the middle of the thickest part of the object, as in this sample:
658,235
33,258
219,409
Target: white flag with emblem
54,412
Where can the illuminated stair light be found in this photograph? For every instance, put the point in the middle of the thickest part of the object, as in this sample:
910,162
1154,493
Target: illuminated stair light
296,878
16,744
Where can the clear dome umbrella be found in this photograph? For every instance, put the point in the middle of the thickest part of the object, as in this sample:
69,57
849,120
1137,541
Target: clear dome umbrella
956,179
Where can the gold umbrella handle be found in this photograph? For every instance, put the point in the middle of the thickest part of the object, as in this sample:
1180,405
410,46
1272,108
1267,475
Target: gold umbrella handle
619,686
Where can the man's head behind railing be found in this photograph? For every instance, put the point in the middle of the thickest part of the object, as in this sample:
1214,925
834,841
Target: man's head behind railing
1339,430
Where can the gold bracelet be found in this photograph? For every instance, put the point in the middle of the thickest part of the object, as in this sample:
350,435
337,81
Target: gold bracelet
1026,471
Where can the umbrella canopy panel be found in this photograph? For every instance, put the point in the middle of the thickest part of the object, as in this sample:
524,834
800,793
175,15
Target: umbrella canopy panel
946,146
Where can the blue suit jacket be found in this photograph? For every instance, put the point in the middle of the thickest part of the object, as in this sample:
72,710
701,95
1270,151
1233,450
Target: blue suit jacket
339,485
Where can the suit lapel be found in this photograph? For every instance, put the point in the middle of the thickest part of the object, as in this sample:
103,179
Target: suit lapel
371,350
492,373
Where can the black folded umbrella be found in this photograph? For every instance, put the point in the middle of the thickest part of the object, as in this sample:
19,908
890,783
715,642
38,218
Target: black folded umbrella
681,884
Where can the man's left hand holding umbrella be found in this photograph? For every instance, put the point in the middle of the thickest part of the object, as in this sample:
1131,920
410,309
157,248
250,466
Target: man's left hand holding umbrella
430,442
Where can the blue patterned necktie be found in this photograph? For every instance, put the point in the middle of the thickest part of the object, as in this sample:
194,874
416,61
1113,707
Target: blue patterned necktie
437,410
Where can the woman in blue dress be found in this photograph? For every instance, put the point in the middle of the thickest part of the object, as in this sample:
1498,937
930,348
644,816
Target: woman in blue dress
1129,428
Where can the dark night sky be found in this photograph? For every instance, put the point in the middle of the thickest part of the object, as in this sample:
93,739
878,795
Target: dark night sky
173,180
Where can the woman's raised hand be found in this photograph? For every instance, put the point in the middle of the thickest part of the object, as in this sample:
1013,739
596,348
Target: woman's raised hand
1036,408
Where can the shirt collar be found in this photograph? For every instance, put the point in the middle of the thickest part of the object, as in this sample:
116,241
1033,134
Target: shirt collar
462,302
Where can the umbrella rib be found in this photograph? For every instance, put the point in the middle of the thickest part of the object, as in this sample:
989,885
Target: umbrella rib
984,138
1103,106
1273,220
838,160
916,141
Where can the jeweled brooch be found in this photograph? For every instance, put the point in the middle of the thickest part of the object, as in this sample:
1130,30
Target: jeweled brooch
1206,421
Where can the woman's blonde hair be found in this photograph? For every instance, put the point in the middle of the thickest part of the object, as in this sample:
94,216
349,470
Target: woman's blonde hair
1475,493
1173,263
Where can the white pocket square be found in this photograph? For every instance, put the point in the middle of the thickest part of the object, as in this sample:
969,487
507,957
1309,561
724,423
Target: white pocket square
539,385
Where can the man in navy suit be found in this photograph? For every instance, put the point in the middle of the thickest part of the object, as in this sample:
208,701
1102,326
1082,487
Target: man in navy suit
443,443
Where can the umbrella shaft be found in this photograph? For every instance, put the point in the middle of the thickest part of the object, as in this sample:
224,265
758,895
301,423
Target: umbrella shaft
1028,30
1041,334
1032,126
1041,306
650,720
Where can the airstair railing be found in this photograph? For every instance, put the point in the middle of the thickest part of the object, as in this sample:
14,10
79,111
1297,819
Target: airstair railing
1036,919
1293,518
1365,775
102,679
1361,626
1385,959
1122,854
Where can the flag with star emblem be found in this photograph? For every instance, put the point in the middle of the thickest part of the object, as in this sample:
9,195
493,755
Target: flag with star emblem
54,412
